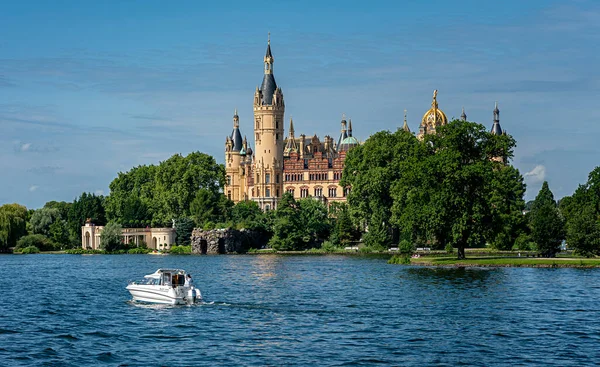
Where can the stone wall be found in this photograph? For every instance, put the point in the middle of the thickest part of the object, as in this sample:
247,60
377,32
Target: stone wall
228,240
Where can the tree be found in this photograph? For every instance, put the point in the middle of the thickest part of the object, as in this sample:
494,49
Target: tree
62,207
178,187
314,220
343,231
13,219
288,233
583,232
582,216
42,219
111,238
40,241
448,193
86,206
247,214
370,170
59,233
183,231
547,226
507,203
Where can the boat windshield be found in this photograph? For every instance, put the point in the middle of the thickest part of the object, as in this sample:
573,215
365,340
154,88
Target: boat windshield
152,281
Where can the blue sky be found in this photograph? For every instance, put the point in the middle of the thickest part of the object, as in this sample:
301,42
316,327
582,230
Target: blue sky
88,89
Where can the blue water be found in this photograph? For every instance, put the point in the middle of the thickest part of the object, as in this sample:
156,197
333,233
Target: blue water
70,310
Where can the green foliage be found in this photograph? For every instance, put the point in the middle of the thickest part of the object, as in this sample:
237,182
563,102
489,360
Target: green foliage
86,206
183,231
59,232
449,249
406,247
288,233
30,250
547,226
181,250
36,240
42,219
110,237
582,215
343,230
399,260
13,219
524,243
371,170
452,191
247,214
138,250
81,251
314,219
62,206
179,187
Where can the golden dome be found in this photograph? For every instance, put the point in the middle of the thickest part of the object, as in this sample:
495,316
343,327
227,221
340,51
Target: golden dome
434,116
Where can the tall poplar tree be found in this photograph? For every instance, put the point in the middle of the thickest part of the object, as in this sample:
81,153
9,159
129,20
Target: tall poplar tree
547,225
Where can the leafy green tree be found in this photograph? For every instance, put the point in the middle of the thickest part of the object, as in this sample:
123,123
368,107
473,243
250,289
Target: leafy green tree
448,193
183,231
86,206
247,214
59,233
371,170
42,219
13,219
507,204
39,241
315,220
111,238
583,232
547,225
62,207
343,231
582,215
288,233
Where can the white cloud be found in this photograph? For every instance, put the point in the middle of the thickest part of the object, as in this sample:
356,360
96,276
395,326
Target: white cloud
32,188
99,192
537,174
25,147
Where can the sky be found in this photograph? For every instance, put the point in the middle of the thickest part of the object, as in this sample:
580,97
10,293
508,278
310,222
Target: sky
90,89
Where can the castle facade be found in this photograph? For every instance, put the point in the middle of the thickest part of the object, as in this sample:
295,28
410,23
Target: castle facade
301,165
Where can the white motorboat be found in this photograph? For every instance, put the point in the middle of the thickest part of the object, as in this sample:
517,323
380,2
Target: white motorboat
166,286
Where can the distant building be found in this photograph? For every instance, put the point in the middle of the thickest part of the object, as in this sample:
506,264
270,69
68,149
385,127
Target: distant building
301,165
153,238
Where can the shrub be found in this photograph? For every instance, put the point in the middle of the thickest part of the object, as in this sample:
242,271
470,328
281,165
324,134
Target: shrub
399,259
81,251
181,250
405,247
30,250
449,249
138,250
41,242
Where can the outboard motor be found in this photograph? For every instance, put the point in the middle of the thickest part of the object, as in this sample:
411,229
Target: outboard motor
193,295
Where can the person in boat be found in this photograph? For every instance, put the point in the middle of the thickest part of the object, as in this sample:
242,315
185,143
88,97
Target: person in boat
188,281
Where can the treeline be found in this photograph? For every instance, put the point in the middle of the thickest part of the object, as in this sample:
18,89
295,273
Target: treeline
451,190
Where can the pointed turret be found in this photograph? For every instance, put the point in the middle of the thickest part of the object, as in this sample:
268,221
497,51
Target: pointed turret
344,132
268,86
350,127
463,115
496,129
405,126
236,136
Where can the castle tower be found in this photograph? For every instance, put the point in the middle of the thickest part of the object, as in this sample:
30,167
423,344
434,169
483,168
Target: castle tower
234,149
269,109
496,129
463,115
432,119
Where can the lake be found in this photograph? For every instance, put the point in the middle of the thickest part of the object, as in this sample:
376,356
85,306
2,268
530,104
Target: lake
268,310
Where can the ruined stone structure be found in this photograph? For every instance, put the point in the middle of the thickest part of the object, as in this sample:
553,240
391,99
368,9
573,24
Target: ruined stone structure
223,241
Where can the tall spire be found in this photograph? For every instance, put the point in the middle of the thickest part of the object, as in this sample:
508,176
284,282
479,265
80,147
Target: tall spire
269,57
463,115
350,127
291,127
236,136
496,129
405,126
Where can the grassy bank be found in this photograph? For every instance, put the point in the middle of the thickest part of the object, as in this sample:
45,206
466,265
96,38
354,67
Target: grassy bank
508,262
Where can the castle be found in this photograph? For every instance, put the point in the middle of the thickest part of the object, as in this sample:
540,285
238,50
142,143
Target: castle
303,166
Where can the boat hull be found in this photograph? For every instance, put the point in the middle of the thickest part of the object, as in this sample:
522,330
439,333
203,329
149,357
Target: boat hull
157,294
